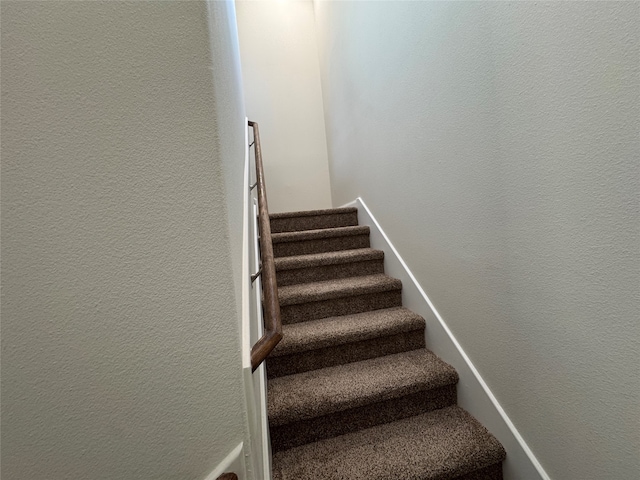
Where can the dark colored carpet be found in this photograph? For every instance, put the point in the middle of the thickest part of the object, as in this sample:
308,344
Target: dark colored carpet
352,392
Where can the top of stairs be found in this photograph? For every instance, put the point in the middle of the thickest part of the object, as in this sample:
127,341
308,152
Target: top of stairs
312,213
313,219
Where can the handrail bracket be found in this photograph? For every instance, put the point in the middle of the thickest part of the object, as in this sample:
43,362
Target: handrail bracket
255,276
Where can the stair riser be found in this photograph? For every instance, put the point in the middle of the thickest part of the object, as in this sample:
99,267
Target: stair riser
299,433
340,306
345,353
321,245
328,272
315,222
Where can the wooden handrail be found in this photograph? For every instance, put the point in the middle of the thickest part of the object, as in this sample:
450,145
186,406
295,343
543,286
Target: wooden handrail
271,305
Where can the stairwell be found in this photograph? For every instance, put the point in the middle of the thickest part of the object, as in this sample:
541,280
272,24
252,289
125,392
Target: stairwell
352,391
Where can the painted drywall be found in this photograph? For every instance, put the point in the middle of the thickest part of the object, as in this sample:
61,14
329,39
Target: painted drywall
120,336
472,392
282,91
497,144
230,124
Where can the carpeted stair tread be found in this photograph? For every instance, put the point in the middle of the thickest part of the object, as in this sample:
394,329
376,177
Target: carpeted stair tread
334,389
443,444
313,213
318,234
352,392
328,258
331,289
316,334
307,265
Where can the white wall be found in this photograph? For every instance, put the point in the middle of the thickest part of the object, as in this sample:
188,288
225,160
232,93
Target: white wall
282,91
497,143
230,121
120,336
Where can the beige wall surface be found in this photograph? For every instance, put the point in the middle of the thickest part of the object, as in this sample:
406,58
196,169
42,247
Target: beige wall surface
497,144
281,79
120,336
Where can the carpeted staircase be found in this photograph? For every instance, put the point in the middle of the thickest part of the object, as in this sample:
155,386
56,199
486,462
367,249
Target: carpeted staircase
352,391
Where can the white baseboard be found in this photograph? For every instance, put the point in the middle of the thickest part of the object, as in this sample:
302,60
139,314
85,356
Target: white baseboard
258,465
474,394
232,463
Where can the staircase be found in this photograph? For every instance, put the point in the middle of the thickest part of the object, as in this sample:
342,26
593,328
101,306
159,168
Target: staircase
352,391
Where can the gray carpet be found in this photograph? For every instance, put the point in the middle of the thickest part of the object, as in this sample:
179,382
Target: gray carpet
352,391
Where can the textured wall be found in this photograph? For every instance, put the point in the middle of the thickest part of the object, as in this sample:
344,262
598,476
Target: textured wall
281,79
497,143
230,123
120,339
